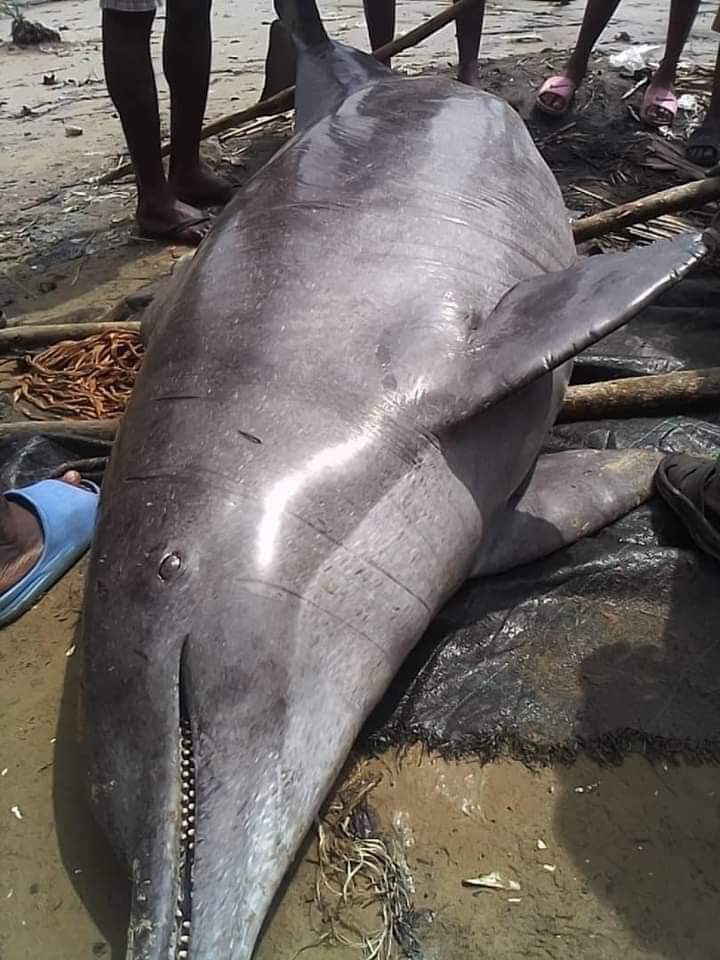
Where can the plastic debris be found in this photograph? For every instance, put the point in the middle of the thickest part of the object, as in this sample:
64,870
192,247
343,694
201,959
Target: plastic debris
688,102
71,131
541,845
492,881
16,812
635,58
550,867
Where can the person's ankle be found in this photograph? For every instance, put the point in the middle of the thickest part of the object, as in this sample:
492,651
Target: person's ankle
575,70
664,76
186,170
155,202
469,74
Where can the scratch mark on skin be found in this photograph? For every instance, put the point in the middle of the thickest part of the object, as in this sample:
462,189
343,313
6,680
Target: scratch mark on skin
180,396
333,616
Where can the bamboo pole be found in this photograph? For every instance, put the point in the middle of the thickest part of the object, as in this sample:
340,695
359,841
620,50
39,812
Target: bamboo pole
631,396
20,338
638,396
100,429
283,100
647,208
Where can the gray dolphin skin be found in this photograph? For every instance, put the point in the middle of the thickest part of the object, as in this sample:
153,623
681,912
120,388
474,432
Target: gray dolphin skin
338,421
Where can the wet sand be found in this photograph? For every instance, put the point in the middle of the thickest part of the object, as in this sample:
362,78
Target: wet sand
623,861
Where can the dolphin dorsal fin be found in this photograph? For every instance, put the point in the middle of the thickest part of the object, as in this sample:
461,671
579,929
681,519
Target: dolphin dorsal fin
327,72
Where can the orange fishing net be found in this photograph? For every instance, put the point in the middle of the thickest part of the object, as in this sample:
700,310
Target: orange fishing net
89,379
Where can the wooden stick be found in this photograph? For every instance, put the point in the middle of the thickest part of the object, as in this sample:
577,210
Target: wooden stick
637,396
675,199
613,398
283,100
19,338
101,429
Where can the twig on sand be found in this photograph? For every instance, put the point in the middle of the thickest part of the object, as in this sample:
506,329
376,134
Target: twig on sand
283,100
357,870
634,89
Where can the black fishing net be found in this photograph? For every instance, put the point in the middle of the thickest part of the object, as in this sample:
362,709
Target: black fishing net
26,459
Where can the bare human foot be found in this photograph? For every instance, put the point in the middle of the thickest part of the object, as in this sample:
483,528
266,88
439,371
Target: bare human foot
200,186
169,219
21,539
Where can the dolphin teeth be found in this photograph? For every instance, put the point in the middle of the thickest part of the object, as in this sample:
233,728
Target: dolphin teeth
186,842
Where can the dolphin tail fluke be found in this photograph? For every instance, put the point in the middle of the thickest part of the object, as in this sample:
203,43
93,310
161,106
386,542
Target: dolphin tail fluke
301,18
326,72
544,322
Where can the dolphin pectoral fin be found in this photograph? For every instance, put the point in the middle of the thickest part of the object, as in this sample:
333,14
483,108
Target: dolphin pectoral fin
569,495
543,322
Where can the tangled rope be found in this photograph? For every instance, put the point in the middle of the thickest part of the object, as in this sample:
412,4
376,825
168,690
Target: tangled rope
89,379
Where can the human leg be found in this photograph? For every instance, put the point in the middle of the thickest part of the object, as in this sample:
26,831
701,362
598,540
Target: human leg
131,85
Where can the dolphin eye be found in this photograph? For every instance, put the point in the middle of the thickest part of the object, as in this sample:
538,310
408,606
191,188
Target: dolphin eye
170,566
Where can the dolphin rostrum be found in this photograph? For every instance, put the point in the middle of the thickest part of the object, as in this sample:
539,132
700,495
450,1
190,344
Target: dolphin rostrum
337,422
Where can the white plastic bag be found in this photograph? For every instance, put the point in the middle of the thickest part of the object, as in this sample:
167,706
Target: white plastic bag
634,58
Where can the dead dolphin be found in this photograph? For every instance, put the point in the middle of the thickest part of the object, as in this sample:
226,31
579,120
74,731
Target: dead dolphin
338,421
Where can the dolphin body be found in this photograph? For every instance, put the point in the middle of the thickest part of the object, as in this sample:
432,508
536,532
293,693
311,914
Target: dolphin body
338,421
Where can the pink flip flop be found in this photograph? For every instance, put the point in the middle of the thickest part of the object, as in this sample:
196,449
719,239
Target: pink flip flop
660,101
559,86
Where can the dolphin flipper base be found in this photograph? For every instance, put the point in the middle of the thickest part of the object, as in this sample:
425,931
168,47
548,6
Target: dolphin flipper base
568,496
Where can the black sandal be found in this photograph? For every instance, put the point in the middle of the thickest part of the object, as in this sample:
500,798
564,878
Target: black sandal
704,144
681,480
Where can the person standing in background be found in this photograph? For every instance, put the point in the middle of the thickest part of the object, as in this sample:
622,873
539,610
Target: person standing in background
380,18
168,208
659,104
